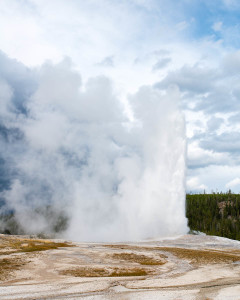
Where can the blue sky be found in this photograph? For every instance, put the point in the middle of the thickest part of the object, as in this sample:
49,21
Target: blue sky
193,45
208,13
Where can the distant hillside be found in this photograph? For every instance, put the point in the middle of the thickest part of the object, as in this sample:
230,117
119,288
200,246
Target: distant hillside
214,214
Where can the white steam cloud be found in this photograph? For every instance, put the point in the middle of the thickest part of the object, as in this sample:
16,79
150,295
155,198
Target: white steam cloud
73,147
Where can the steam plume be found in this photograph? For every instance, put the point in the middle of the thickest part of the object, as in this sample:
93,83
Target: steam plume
72,147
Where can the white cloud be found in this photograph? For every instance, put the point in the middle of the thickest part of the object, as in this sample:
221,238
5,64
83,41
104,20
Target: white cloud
182,25
234,118
214,123
5,96
89,31
231,63
233,183
231,4
161,63
201,158
215,177
191,78
193,185
108,61
217,26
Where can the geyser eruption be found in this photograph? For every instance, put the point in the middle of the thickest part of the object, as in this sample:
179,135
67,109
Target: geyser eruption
72,147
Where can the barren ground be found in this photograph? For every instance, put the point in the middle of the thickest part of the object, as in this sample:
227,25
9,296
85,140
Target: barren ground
186,267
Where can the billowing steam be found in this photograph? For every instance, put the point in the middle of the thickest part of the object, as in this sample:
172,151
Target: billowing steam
71,147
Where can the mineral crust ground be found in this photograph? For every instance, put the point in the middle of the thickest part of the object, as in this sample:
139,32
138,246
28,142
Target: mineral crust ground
183,267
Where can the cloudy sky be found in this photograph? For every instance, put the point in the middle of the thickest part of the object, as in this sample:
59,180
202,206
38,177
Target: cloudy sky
190,44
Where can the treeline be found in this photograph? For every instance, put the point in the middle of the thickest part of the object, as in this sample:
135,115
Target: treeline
214,214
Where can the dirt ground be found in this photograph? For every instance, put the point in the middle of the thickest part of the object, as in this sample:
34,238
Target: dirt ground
185,267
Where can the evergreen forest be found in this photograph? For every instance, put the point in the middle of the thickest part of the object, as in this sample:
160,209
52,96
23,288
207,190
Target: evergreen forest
214,214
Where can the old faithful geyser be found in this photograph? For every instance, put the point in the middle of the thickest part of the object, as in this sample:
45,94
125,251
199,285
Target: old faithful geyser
73,148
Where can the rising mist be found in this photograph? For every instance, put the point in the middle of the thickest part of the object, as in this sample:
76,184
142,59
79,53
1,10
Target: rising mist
73,147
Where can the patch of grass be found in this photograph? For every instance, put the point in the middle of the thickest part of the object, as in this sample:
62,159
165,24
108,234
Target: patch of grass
8,265
203,256
136,248
138,258
86,272
206,256
101,272
11,245
129,272
119,246
42,246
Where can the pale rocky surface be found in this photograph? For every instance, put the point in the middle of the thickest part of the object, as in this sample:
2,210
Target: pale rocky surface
44,274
